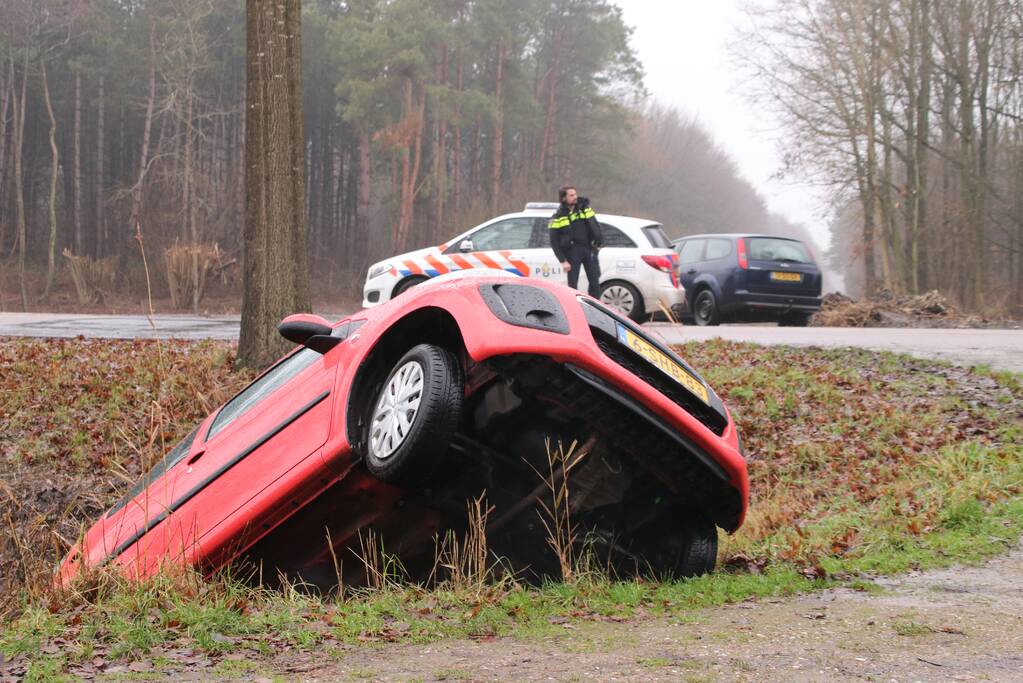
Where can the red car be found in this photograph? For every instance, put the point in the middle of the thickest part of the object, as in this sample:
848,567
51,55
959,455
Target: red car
391,419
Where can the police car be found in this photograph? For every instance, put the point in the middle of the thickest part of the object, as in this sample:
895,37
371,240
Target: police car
639,270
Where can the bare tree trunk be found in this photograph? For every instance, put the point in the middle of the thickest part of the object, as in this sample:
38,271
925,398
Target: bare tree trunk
135,214
495,171
77,169
919,248
276,253
476,181
410,162
401,227
896,278
51,253
189,199
19,189
440,153
417,146
6,87
100,213
365,184
1017,243
982,45
550,116
456,161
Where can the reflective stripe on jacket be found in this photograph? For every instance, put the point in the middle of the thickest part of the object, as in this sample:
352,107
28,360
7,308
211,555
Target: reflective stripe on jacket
572,227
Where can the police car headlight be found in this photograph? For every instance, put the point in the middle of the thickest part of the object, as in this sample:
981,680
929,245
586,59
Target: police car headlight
378,270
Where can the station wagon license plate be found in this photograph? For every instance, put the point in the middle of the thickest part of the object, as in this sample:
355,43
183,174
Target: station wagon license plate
667,365
786,277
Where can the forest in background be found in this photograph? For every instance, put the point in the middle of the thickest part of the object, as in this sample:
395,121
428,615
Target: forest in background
421,120
911,111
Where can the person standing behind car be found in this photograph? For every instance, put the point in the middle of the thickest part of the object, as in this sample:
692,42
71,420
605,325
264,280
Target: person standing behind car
576,238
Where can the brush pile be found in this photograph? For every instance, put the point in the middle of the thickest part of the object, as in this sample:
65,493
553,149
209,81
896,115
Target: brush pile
888,309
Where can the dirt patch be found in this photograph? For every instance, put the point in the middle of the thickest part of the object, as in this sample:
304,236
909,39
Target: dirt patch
956,624
887,309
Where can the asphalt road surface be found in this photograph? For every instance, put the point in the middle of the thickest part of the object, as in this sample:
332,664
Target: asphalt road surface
999,349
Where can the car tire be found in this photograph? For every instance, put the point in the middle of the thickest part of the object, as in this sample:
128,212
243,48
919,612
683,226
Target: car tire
408,283
794,320
624,298
705,309
692,551
425,386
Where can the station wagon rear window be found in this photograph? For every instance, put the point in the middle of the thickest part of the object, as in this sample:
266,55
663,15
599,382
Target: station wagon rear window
775,249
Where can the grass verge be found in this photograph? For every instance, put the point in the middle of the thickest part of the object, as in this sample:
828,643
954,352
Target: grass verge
861,463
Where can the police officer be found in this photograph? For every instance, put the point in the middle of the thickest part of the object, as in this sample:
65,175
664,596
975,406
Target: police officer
575,239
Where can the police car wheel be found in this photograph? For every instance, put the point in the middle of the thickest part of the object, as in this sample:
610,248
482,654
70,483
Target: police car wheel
408,283
624,298
414,415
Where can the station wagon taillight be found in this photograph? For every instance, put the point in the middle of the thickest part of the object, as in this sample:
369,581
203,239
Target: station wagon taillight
743,259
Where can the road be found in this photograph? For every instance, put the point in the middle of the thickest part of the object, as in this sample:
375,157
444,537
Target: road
999,349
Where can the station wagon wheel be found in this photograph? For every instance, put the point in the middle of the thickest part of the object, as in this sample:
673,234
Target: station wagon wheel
414,416
624,298
705,308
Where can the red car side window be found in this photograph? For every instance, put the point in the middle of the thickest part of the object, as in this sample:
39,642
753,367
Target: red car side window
263,386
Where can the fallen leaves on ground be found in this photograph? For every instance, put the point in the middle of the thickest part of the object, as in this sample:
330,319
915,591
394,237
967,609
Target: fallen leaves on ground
844,447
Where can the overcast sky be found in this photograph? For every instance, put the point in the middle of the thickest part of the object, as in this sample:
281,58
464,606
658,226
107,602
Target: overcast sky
683,45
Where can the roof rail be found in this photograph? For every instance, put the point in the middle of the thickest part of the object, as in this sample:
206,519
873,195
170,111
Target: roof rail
542,205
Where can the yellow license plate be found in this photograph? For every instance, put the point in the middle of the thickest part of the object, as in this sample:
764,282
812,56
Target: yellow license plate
662,361
787,277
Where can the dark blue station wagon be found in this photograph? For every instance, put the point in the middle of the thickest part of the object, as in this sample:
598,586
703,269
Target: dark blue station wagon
749,278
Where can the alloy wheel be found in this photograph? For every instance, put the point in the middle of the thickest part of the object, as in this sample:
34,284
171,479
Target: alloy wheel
704,307
396,410
619,298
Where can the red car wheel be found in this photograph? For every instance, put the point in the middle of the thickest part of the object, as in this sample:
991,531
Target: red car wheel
414,416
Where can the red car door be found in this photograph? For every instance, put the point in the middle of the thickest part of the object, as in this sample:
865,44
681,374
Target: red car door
273,425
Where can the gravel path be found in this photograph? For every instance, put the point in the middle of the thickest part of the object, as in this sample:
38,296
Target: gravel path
957,624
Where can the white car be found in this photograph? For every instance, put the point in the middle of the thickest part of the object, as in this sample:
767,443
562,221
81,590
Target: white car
639,271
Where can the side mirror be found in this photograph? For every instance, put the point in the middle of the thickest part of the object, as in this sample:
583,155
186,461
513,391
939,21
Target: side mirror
310,331
465,246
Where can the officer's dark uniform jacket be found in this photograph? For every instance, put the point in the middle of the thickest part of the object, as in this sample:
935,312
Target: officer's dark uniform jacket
576,226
